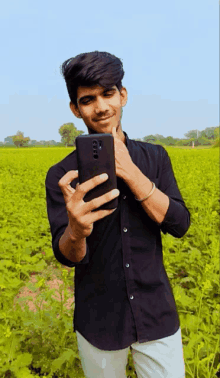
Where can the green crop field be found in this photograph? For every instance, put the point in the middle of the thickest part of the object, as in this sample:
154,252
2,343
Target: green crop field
41,342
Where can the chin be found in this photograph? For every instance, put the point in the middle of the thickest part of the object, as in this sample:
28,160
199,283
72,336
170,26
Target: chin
92,131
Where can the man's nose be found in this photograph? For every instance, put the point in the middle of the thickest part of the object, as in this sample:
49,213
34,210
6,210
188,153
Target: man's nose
101,106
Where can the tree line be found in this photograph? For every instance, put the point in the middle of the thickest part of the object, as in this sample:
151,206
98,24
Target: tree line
69,132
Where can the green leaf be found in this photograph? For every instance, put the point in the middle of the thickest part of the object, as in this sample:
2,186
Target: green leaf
22,360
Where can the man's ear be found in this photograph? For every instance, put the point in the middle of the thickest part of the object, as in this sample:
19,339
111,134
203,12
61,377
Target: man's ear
75,110
124,96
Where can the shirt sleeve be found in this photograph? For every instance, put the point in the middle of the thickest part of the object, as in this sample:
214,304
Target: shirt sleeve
177,218
57,215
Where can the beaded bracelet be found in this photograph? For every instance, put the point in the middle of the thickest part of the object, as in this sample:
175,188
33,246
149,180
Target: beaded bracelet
151,192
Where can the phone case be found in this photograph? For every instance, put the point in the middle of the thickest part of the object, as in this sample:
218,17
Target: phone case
96,155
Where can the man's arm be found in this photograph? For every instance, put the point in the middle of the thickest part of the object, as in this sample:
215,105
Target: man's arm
157,204
66,250
166,206
74,250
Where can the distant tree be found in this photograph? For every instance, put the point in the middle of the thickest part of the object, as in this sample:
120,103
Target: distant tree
19,139
149,138
69,132
216,133
9,139
208,133
33,142
159,137
52,142
179,143
192,134
203,141
169,141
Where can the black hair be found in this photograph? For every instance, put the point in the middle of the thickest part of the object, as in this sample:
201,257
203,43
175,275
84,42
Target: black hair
92,68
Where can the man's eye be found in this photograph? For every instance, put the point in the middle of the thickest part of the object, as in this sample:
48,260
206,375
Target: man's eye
86,101
106,94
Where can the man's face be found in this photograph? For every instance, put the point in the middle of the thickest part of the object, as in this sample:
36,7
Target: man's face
97,102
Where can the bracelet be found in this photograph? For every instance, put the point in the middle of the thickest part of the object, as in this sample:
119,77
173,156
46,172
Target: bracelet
151,192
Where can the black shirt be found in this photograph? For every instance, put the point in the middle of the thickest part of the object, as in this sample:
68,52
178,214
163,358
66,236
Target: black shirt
122,291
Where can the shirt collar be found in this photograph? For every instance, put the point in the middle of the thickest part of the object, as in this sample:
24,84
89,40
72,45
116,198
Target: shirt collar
126,138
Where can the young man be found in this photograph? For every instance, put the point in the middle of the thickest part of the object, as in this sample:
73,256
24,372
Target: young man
123,297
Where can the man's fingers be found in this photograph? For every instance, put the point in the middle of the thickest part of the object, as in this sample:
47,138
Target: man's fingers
92,183
65,182
68,178
68,191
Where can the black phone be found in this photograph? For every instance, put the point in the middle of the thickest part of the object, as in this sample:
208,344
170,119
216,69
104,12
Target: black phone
96,155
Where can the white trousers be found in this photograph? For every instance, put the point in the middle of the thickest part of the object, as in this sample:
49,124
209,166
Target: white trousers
161,358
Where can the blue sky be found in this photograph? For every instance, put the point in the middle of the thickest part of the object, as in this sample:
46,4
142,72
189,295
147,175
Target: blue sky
169,50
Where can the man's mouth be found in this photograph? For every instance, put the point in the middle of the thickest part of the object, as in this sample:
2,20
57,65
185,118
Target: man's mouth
104,119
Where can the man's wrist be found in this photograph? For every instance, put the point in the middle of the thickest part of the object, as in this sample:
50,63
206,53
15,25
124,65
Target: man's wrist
73,238
70,233
74,249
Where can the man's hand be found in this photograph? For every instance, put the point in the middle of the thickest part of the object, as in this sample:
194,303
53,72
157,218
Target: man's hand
81,217
123,162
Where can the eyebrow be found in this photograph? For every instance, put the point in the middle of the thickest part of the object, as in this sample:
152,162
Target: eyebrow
90,96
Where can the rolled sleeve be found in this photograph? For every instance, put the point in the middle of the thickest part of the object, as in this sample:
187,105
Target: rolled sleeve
62,259
177,218
57,215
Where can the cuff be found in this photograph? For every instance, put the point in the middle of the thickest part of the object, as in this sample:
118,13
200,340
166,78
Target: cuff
177,219
63,260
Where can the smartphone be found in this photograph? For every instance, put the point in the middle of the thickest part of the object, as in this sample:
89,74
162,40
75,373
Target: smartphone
96,155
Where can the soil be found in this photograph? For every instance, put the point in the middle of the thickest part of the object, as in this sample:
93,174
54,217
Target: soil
53,282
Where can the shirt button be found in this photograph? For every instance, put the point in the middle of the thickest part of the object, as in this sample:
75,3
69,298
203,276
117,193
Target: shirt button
127,265
125,229
131,297
124,197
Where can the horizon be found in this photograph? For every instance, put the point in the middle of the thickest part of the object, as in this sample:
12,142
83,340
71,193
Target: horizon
155,135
